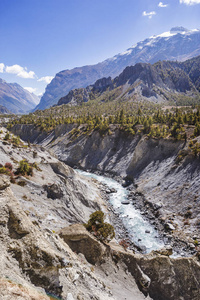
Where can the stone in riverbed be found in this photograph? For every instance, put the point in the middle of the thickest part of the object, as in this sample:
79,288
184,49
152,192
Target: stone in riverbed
169,226
167,251
192,246
126,202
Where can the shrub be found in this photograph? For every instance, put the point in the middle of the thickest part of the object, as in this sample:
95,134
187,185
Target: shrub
34,154
124,244
24,168
188,214
102,230
3,170
12,179
8,166
16,140
21,183
34,165
7,136
7,170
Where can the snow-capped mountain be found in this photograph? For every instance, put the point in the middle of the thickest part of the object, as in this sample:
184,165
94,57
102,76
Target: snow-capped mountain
177,44
15,98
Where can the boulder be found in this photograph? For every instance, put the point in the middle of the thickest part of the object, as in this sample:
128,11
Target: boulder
126,202
81,241
4,182
54,191
169,226
167,251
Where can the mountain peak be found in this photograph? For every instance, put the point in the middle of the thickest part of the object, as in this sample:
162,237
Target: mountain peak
178,29
176,44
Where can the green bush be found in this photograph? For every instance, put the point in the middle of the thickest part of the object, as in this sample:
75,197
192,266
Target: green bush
7,136
102,230
16,140
24,168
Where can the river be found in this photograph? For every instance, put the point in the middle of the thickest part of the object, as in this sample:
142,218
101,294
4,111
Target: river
140,231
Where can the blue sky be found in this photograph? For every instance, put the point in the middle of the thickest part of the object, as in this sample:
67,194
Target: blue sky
39,38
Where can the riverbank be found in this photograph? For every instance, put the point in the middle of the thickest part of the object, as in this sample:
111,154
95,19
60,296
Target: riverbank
154,227
161,170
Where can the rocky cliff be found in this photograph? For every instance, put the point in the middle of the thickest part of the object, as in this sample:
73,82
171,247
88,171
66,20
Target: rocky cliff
160,276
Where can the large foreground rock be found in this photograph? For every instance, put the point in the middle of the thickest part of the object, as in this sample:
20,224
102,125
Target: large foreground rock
160,276
81,241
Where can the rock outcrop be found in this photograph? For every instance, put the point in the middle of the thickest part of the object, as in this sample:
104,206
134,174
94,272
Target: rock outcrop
81,241
158,275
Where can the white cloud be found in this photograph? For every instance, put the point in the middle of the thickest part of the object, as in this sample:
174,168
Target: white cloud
30,89
161,4
20,71
149,15
46,79
190,2
2,66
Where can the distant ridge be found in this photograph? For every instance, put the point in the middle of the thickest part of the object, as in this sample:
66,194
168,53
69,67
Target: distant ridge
177,44
160,82
4,110
15,98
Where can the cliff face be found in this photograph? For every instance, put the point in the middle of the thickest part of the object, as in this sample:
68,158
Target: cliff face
158,275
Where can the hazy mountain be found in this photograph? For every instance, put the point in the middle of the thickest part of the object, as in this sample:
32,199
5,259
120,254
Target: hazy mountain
15,98
162,81
4,110
177,44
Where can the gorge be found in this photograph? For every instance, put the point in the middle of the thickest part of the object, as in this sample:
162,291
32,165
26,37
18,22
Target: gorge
151,167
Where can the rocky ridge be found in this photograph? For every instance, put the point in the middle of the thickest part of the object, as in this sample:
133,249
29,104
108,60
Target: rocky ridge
161,82
178,44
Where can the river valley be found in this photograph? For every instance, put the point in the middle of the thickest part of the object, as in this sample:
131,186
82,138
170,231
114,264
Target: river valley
148,170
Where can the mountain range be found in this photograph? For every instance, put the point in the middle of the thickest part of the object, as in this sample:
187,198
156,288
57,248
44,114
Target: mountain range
177,44
163,81
16,99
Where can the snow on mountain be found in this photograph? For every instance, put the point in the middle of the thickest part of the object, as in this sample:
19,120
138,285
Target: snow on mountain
177,44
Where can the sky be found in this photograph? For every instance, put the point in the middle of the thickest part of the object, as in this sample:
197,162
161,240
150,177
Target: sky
39,38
